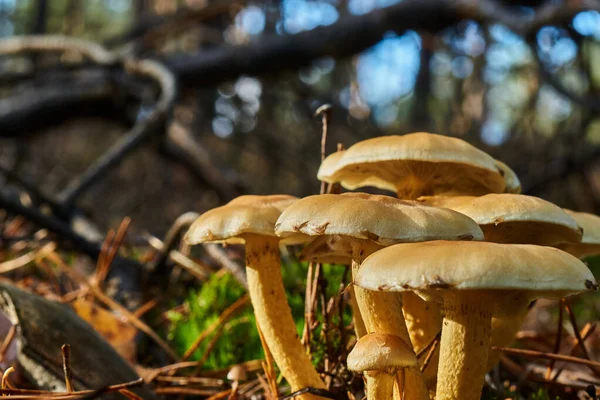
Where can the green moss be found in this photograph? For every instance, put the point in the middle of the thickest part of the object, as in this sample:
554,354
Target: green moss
239,340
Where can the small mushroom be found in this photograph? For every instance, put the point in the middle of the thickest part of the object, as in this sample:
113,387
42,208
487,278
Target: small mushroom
590,242
251,220
471,278
367,223
381,356
236,374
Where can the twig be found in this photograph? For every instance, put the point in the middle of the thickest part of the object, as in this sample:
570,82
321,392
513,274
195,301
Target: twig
25,259
431,343
268,365
558,339
429,356
548,356
66,355
172,238
5,384
197,269
7,340
168,368
586,331
578,337
325,112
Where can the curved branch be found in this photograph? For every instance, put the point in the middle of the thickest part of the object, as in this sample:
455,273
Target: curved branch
56,43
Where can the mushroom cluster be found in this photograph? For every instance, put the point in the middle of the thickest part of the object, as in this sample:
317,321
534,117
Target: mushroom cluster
455,250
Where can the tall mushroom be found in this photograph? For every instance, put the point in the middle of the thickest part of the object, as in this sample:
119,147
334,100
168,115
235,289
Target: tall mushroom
251,220
470,279
369,222
381,356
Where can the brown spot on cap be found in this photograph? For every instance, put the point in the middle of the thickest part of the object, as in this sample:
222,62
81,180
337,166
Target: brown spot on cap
370,235
591,285
320,230
300,226
465,237
438,283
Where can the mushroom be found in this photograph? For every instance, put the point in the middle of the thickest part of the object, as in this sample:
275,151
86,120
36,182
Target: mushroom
511,180
470,279
251,220
381,356
415,164
590,242
516,219
369,222
236,374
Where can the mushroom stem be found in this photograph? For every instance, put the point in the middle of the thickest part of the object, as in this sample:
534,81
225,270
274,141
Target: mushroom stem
273,314
509,314
424,322
411,188
382,313
465,344
379,385
359,325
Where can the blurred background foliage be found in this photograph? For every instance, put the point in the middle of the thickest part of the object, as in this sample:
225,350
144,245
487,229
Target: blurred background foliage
480,83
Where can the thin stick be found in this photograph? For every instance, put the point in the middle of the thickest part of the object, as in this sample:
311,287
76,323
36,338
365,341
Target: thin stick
168,368
548,373
144,308
433,341
430,354
129,394
5,384
585,333
7,340
578,337
66,355
225,315
23,260
268,365
548,356
325,112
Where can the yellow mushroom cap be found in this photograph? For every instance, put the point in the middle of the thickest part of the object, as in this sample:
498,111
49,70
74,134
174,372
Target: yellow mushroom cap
541,270
511,180
248,214
590,243
382,219
329,166
514,218
378,351
419,164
